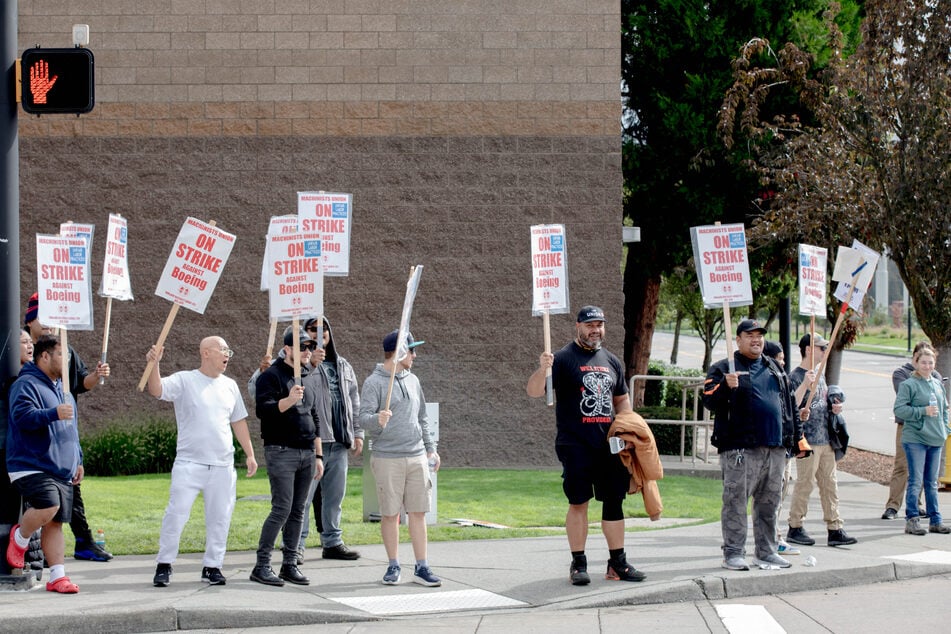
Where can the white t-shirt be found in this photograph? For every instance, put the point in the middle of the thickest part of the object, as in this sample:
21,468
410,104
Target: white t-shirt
204,408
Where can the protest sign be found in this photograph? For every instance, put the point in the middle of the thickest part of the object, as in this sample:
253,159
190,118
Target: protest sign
63,286
854,268
116,283
277,226
719,252
412,286
331,216
72,229
295,279
195,264
812,280
549,270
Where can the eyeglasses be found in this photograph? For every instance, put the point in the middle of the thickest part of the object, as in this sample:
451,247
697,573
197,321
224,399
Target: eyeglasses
308,345
228,352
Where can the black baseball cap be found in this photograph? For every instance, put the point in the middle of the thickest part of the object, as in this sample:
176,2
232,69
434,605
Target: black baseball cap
590,313
389,341
750,325
289,336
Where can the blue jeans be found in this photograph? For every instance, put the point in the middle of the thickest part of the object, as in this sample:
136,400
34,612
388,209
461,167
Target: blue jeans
924,461
333,488
290,472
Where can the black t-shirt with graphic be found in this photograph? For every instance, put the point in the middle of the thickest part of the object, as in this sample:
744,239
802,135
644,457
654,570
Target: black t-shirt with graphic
585,384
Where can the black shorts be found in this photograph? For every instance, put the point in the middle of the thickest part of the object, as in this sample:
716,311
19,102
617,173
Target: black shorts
42,491
588,472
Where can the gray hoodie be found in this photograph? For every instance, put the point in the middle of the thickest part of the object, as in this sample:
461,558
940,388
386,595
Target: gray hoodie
407,432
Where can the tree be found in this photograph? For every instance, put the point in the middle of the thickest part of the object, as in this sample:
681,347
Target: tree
868,156
675,69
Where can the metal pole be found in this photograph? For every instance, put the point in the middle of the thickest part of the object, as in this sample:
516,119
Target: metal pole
9,197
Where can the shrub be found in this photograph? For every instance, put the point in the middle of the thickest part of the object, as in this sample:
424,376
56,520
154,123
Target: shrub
666,436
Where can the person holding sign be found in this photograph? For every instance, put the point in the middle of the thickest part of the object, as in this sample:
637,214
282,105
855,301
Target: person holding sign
44,459
402,447
81,380
753,429
589,385
818,467
208,409
288,416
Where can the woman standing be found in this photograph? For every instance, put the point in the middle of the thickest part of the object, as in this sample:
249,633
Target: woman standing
922,405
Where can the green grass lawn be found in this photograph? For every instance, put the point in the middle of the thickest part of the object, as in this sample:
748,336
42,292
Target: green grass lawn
129,509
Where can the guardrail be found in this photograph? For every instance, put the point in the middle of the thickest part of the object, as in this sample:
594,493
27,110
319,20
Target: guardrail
699,421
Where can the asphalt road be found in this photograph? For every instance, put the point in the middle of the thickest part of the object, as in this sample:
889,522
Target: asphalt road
865,378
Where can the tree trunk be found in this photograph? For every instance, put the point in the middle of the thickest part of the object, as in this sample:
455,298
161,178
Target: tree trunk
675,348
833,366
641,299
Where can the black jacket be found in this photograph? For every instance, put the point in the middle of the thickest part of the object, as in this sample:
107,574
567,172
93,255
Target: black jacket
734,426
295,427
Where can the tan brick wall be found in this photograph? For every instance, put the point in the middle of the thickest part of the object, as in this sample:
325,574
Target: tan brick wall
456,124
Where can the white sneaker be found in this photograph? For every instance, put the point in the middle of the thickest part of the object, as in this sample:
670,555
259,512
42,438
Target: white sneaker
785,549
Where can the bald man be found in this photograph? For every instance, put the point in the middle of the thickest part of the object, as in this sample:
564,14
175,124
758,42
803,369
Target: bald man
208,409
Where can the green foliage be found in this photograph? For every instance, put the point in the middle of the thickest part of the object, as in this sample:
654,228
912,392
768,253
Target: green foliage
666,436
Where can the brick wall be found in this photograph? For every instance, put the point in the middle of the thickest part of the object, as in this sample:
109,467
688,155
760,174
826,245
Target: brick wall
456,126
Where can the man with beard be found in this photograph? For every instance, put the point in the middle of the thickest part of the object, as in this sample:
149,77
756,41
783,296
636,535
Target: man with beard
589,386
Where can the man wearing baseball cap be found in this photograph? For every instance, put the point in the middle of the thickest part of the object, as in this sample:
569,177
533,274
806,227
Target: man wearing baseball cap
403,451
589,387
753,428
819,466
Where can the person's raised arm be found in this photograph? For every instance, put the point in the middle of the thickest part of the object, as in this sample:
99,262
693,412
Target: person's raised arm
536,382
155,376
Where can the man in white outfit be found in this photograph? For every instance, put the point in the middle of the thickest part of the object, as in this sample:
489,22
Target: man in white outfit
208,408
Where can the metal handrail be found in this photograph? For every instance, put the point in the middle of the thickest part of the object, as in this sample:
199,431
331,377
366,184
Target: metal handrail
700,415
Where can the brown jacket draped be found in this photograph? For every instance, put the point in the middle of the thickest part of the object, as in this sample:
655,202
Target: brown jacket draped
641,459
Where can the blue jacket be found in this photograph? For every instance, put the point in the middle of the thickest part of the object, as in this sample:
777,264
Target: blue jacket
36,439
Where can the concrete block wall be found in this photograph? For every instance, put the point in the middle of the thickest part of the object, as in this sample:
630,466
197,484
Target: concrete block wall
455,125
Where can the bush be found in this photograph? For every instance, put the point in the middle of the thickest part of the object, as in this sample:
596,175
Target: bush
666,436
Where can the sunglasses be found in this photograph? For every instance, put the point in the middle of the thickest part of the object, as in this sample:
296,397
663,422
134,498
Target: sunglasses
308,345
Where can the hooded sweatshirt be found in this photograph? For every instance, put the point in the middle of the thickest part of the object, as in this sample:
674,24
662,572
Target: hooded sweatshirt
337,395
407,432
36,440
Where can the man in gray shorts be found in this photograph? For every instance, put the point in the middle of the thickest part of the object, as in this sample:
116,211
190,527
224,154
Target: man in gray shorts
402,452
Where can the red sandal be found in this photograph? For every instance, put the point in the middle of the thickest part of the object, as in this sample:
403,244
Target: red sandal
62,585
14,552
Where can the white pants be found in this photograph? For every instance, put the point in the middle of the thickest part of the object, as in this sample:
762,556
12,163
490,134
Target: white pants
218,486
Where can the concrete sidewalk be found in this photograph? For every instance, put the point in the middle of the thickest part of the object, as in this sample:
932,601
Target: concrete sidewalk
492,577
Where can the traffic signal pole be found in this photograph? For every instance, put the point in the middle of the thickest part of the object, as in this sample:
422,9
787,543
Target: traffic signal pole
9,198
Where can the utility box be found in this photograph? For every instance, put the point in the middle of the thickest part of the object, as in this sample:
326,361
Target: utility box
371,504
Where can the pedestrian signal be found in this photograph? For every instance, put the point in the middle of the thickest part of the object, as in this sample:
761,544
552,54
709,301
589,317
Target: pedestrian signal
57,80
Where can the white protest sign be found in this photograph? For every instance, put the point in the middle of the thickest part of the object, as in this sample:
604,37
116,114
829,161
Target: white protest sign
78,230
723,270
331,216
295,279
115,267
278,225
549,269
412,286
63,286
195,264
857,262
812,280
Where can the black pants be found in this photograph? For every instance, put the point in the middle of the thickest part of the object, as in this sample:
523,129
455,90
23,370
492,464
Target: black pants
77,522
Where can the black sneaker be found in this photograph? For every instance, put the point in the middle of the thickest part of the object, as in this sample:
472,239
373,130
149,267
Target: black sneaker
799,536
890,514
340,551
839,537
620,570
579,572
163,574
292,574
212,576
264,574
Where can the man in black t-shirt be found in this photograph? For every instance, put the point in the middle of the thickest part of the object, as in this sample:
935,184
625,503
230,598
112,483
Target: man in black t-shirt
589,386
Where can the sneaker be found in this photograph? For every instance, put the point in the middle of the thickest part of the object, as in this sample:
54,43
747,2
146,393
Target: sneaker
839,537
785,549
941,529
392,575
913,527
91,552
735,563
890,514
620,570
264,574
340,551
799,536
578,573
212,576
163,574
423,575
772,559
15,554
292,574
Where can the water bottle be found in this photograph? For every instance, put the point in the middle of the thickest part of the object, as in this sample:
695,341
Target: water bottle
432,464
933,401
101,539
